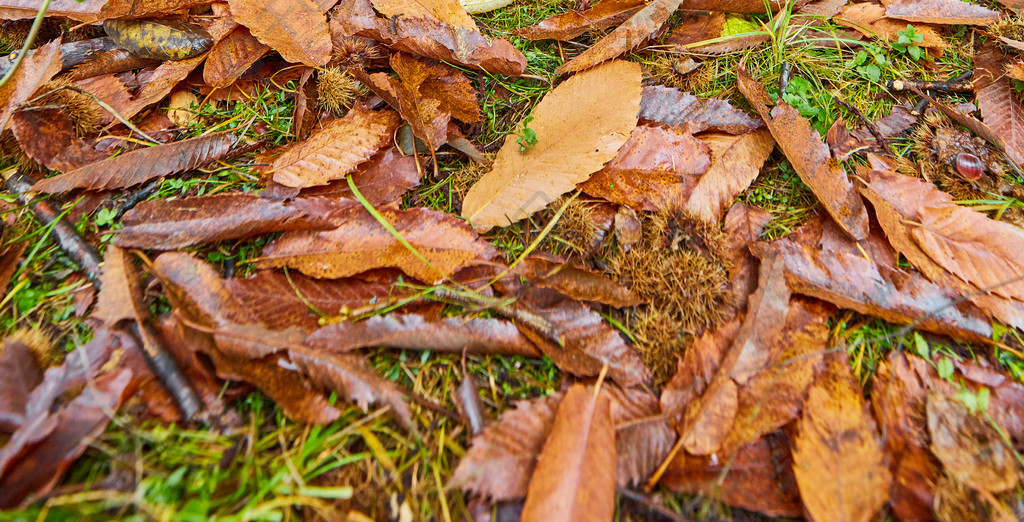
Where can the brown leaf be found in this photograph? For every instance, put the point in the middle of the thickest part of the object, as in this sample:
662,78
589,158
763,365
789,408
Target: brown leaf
837,455
1001,109
295,28
19,375
654,169
707,422
34,72
699,27
575,474
336,150
141,165
579,127
500,461
941,12
230,57
850,281
170,224
382,180
414,332
844,143
698,367
48,136
968,447
430,38
155,86
118,295
144,8
735,163
676,108
575,282
569,25
578,340
85,11
869,19
361,243
626,37
740,6
810,158
447,11
643,437
758,477
743,226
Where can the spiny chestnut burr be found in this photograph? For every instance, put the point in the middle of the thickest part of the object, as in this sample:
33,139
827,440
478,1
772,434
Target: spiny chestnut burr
969,166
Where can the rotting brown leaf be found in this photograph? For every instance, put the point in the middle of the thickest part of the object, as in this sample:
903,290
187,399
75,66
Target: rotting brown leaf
669,106
655,169
869,19
1001,109
626,37
361,243
810,157
576,283
699,27
295,28
47,135
743,227
969,448
575,475
740,6
335,150
230,57
941,12
569,25
838,458
382,180
34,72
579,127
735,163
179,223
20,373
430,38
141,165
447,11
116,300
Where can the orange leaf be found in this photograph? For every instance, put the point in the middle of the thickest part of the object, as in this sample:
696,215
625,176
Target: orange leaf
447,11
230,57
941,12
735,163
35,71
624,38
295,28
569,25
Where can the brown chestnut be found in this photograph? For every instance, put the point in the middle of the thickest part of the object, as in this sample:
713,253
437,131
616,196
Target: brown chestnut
969,166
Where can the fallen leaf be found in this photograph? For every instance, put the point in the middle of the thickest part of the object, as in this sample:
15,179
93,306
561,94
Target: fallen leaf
735,163
579,127
170,224
447,11
845,143
19,375
643,437
699,31
698,367
141,165
1001,109
382,180
626,37
361,243
34,72
48,136
869,19
84,11
941,12
230,57
578,340
569,25
430,38
575,282
155,85
335,150
295,28
969,448
414,332
837,454
740,6
743,227
575,474
654,169
810,157
668,106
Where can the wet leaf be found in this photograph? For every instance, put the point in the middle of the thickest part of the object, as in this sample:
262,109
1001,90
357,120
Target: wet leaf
575,282
810,158
579,127
569,25
968,447
141,165
676,108
179,223
48,136
34,72
739,6
655,169
447,11
735,163
941,12
335,150
230,57
837,454
295,28
869,19
626,37
699,27
361,243
575,474
1001,109
19,375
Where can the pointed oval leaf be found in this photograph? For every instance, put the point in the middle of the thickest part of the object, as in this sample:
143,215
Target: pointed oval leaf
295,28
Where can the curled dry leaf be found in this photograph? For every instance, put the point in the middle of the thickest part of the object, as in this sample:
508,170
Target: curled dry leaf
735,163
579,127
361,243
669,106
179,223
410,331
335,150
295,28
141,165
230,57
941,12
655,169
810,157
569,25
430,38
837,453
626,37
743,226
575,475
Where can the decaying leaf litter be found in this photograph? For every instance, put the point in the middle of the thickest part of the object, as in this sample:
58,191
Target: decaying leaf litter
381,259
